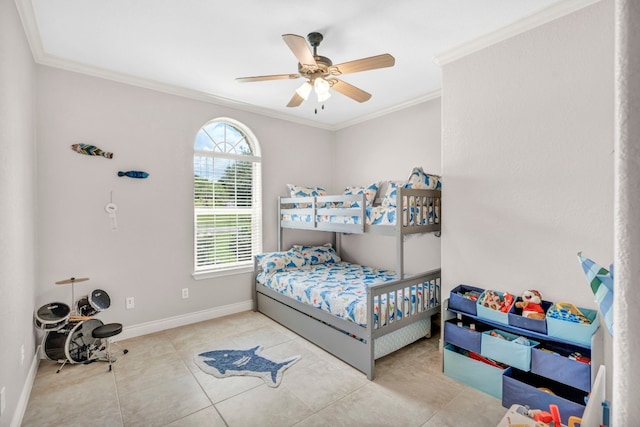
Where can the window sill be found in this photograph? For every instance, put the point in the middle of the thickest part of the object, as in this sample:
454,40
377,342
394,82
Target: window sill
221,273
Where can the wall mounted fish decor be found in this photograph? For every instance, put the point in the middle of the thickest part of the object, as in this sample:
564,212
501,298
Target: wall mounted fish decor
134,174
90,150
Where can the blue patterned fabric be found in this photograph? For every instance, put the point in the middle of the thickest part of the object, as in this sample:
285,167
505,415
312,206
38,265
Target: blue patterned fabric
390,196
340,289
369,193
300,191
318,254
420,179
229,362
278,261
376,215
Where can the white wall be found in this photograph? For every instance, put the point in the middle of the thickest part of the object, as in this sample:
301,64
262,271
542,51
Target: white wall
387,148
528,159
626,340
17,211
150,256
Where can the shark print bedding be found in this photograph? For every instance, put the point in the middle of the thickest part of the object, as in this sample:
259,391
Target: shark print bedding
375,215
340,289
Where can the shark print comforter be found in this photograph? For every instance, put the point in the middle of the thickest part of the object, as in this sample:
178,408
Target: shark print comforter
375,215
340,289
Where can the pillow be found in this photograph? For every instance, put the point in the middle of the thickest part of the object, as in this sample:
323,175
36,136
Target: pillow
271,262
300,191
419,179
318,254
369,194
389,200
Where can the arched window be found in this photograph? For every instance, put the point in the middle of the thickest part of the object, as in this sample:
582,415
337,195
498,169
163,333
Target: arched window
227,200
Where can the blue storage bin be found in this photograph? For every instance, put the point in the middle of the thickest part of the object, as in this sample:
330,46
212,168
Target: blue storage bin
472,372
555,364
537,325
463,336
491,314
579,333
458,302
524,388
506,350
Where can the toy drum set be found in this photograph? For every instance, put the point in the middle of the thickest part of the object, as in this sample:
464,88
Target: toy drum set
70,334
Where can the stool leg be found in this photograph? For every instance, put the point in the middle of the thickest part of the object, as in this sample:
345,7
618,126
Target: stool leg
109,352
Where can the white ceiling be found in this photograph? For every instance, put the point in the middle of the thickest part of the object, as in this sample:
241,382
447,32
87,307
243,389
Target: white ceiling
199,47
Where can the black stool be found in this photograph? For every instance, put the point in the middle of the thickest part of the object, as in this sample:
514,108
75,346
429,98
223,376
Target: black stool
105,332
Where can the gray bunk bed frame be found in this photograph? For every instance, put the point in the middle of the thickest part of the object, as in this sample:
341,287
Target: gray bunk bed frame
350,342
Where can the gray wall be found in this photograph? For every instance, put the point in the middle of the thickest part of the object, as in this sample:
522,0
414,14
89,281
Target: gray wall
528,158
528,141
17,209
150,255
626,410
387,148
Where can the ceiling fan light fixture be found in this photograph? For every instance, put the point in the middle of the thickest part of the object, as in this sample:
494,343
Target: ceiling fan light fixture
321,86
323,96
304,90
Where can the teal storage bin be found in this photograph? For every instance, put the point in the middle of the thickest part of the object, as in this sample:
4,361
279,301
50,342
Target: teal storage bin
491,314
474,373
579,333
507,350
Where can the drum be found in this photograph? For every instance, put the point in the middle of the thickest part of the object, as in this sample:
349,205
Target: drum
52,316
90,305
72,342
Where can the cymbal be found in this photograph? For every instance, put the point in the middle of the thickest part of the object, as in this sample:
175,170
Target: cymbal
72,280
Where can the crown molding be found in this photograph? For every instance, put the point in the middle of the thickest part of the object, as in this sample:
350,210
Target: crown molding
27,16
520,26
144,83
419,100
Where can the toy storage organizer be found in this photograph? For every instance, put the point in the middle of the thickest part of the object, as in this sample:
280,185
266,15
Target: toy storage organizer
542,370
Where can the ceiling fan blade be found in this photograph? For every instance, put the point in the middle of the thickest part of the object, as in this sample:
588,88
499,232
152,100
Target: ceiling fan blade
364,64
351,91
295,100
300,49
263,78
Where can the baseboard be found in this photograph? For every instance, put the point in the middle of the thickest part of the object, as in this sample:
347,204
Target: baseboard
182,320
131,332
21,407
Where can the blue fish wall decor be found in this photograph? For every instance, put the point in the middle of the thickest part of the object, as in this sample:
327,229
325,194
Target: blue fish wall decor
91,150
224,363
134,174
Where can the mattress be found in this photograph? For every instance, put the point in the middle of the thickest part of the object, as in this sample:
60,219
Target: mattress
340,289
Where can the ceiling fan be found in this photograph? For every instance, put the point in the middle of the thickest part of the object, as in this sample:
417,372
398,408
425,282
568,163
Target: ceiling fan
320,72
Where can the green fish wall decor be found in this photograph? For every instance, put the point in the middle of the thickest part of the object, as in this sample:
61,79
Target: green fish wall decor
91,150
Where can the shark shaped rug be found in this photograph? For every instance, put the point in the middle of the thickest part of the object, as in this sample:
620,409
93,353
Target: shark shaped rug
226,363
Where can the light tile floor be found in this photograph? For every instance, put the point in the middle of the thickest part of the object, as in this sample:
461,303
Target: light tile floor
157,383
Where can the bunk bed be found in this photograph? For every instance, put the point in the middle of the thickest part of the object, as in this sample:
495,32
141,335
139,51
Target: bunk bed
355,312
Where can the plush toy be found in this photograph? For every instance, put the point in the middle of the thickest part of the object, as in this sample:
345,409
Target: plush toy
507,302
531,305
491,299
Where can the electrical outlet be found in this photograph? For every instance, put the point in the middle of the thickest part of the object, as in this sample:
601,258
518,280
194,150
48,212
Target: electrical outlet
185,293
22,354
130,303
3,401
